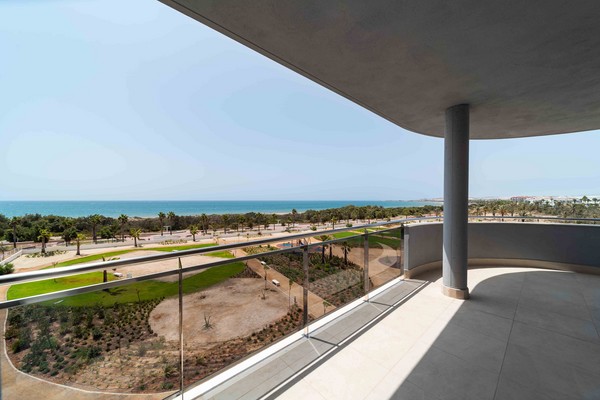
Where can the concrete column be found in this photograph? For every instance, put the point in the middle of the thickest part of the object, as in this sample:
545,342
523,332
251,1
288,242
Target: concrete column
456,201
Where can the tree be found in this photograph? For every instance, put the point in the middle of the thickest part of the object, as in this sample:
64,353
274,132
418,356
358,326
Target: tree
334,220
95,220
135,234
323,238
14,223
294,214
123,219
3,249
226,219
69,234
204,223
346,248
194,231
44,236
171,215
161,219
108,232
78,239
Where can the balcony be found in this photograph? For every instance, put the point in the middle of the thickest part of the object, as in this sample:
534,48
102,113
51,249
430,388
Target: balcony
325,317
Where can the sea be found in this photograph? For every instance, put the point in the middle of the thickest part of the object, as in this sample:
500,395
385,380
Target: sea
151,208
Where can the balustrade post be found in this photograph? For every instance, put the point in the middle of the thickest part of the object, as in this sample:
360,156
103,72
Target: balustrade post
305,290
181,328
366,266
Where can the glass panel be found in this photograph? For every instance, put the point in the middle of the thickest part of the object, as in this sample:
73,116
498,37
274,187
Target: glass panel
336,274
385,256
233,310
109,340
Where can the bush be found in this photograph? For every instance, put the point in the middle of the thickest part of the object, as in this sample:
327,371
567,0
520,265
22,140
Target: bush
313,228
348,225
7,268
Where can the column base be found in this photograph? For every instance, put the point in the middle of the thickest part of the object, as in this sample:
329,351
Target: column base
461,294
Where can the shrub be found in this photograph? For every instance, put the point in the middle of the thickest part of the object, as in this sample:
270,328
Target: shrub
7,268
96,333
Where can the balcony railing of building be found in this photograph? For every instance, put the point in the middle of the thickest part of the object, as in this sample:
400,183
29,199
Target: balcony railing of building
166,324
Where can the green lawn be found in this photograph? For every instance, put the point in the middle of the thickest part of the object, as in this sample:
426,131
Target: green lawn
125,294
341,235
97,257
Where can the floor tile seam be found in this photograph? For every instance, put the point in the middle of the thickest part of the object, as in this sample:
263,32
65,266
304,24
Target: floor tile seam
571,364
537,388
496,315
589,309
465,361
581,303
552,311
567,314
512,324
376,361
583,341
479,332
595,343
422,388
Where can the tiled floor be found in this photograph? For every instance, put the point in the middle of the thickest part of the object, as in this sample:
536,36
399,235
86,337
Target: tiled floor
524,334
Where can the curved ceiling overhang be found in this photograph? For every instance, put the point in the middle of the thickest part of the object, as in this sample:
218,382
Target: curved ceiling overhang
527,68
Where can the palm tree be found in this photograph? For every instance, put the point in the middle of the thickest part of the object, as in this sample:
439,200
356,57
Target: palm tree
171,215
161,219
95,220
123,219
14,222
44,236
194,231
323,238
294,213
334,220
78,239
204,222
225,223
347,250
273,220
3,249
135,234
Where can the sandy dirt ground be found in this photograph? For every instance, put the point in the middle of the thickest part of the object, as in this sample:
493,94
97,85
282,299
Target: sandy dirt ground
235,308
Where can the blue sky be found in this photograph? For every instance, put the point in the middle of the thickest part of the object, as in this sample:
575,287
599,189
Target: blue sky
133,100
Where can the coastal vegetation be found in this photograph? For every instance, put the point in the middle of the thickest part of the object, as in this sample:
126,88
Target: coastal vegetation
29,228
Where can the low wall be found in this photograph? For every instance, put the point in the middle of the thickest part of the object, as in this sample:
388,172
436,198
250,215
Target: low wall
541,245
11,257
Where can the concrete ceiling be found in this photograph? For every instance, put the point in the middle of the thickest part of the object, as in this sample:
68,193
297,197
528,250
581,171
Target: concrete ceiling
526,67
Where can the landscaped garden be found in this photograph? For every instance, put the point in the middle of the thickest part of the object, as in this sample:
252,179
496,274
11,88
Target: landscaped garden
333,278
105,340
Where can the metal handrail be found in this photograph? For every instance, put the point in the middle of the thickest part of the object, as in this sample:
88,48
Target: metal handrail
66,271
